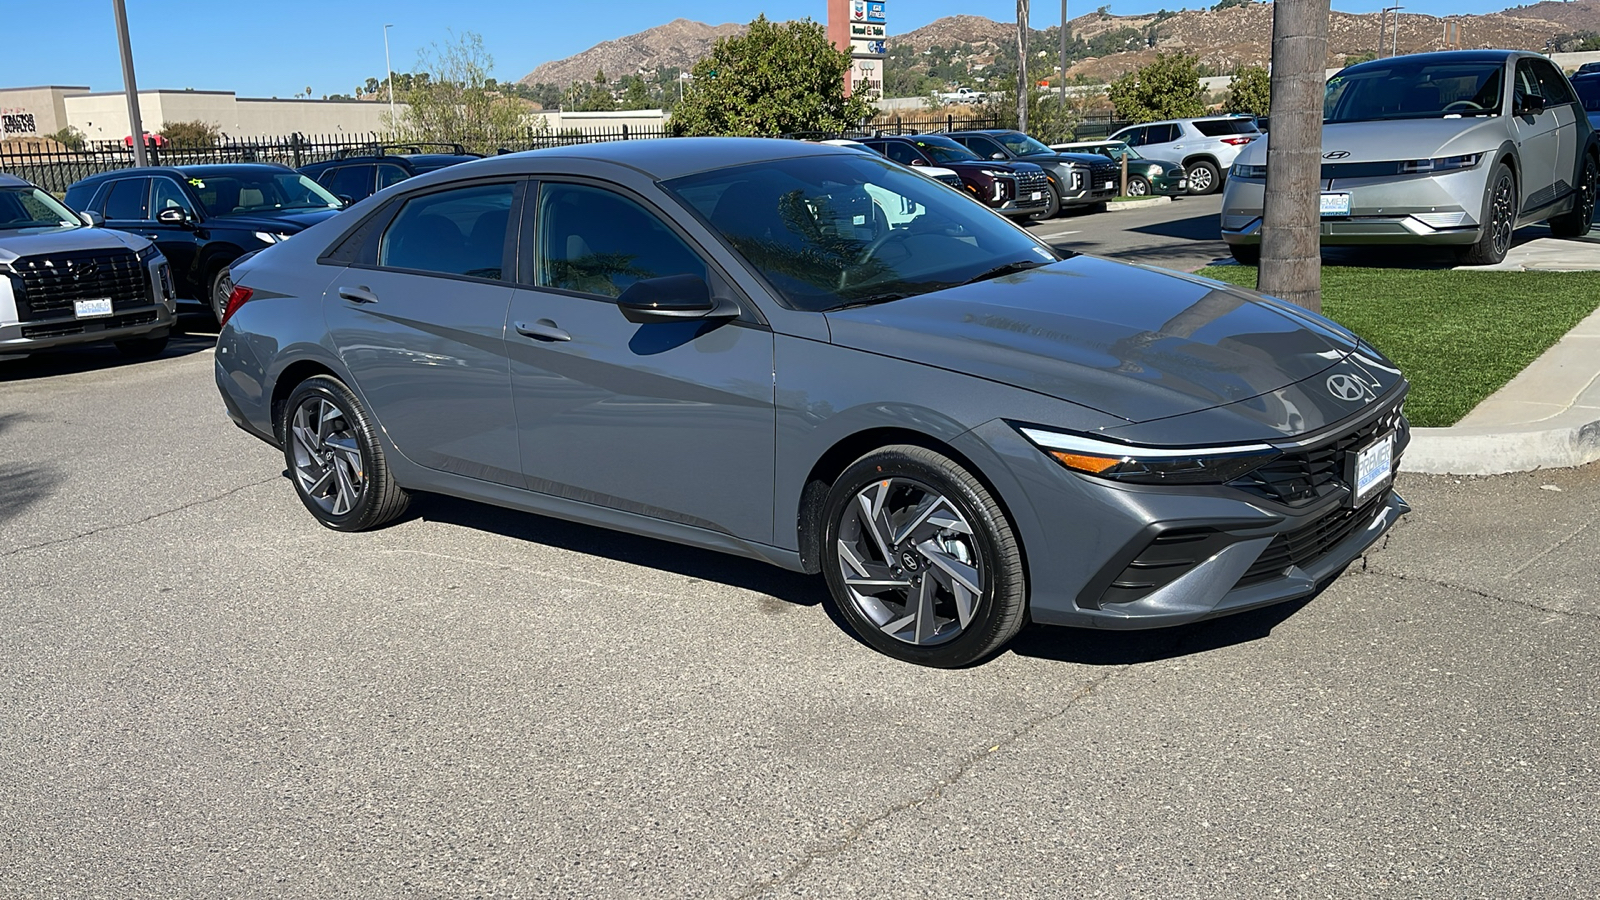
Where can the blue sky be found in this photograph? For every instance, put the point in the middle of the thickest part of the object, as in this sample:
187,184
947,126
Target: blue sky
281,48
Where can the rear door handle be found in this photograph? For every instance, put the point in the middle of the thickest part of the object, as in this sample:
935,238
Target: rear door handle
542,330
358,295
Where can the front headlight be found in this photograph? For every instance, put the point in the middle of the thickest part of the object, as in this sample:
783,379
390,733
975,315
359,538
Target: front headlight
996,173
149,254
1150,465
1240,170
1440,164
271,237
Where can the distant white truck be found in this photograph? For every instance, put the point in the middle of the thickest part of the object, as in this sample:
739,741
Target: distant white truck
962,95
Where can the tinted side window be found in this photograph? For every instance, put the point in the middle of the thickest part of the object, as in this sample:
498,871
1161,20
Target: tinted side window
1526,84
1588,91
902,153
1162,134
454,232
166,194
126,199
598,242
1133,137
1224,127
985,147
389,173
354,182
1552,83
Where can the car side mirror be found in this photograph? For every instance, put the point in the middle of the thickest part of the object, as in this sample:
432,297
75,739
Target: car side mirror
1530,105
997,156
92,219
919,162
673,298
346,199
173,217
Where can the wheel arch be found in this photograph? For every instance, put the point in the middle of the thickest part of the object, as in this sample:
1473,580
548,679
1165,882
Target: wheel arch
292,376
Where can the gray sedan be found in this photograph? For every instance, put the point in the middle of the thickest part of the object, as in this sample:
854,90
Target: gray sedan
1458,149
808,356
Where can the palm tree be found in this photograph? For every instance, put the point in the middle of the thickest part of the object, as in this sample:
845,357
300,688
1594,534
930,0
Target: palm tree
1023,85
1291,225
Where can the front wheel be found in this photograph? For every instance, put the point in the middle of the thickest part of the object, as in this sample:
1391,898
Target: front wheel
1138,186
1204,178
920,559
1499,220
335,459
1576,222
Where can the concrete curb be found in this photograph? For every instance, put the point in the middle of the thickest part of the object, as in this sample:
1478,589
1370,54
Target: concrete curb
1119,205
1548,417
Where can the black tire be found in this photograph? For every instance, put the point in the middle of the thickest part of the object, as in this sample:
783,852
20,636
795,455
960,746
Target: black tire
1204,177
1499,220
1576,223
221,290
1246,254
990,556
321,462
1138,186
143,347
1052,204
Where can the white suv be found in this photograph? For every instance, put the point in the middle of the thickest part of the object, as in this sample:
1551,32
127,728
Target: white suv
63,282
1206,147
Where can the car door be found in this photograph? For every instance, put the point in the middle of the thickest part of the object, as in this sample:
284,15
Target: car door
1560,101
985,147
672,420
352,182
1537,135
419,321
179,242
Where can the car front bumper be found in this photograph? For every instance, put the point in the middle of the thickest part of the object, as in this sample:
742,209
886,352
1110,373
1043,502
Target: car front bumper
23,338
1416,209
1164,186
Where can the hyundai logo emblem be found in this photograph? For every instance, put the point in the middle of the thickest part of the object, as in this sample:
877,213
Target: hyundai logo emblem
1346,387
1336,154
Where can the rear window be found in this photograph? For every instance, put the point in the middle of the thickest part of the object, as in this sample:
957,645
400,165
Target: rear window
1223,127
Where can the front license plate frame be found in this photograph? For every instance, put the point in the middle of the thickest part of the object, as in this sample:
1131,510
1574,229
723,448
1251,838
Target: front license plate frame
92,308
1370,469
1335,204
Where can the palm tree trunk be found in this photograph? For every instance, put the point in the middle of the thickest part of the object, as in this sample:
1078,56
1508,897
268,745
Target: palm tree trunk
1023,84
1291,227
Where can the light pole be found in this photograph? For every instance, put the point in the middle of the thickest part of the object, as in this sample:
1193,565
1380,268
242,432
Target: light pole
128,85
388,72
1063,56
1394,33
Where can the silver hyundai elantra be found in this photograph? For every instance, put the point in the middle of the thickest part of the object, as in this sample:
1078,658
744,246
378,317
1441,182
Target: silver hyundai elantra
813,357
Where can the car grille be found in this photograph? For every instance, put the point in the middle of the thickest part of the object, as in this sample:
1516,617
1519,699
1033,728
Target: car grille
1306,545
58,329
1104,172
1027,183
952,179
1308,474
51,283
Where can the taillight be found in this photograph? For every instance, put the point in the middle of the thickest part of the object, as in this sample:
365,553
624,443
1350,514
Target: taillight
1237,141
240,296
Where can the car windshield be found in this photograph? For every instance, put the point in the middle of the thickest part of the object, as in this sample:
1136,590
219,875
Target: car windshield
245,192
1588,93
1022,145
1409,89
1119,150
944,150
849,230
28,207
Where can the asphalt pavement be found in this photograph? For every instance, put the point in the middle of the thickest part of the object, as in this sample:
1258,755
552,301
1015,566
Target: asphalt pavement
1182,234
205,694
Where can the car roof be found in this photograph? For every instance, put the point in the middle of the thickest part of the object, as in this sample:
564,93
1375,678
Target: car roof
1444,56
7,180
186,172
668,158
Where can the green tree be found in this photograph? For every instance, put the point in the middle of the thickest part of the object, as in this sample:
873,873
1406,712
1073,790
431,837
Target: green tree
635,93
191,134
450,98
1048,120
777,78
589,96
1250,91
69,137
1353,58
1168,88
1226,4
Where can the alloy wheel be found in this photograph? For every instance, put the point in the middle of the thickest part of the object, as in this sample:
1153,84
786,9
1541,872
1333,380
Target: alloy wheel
1586,199
1199,179
1138,187
327,459
1502,214
910,562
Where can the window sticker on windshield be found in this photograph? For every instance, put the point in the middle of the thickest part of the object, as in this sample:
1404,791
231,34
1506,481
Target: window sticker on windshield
198,183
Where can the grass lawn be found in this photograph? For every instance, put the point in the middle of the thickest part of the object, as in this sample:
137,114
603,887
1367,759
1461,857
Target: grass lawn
1459,336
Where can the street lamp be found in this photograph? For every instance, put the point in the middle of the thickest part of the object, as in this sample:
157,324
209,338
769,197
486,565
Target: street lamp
388,72
128,86
1394,35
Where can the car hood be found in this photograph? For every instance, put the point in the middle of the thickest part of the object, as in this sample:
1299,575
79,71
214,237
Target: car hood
16,244
1397,140
287,221
1082,159
1136,343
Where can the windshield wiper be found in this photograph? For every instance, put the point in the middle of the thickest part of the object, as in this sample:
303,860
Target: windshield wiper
874,300
1010,268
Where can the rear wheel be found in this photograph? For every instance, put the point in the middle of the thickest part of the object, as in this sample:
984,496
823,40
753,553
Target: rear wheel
335,459
920,560
221,290
1138,186
1576,222
1204,178
1499,220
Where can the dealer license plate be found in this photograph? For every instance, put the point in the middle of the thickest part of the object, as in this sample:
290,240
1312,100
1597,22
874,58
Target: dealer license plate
1336,204
1038,195
1374,467
1111,185
89,309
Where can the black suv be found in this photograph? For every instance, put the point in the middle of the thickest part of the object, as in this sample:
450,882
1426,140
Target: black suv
358,174
1078,179
1011,189
204,217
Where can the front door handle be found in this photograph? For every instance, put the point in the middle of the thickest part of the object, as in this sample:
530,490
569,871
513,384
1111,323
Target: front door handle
358,295
542,330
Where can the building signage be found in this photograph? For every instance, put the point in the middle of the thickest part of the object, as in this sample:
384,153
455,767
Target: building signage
866,11
863,30
17,121
866,78
868,49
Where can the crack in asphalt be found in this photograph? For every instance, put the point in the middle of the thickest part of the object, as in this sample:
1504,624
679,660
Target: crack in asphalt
1478,592
963,768
155,515
1552,548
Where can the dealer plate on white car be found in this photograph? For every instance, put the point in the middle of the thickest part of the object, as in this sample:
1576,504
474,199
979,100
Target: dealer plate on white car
1336,204
1373,467
89,309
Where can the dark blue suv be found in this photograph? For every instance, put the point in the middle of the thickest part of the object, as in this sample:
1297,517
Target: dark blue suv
358,174
202,218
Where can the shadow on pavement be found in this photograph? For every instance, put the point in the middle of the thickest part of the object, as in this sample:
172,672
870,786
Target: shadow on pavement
749,574
1094,647
1195,228
92,357
22,485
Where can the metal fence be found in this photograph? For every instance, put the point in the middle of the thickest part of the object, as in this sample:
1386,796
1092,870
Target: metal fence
56,169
